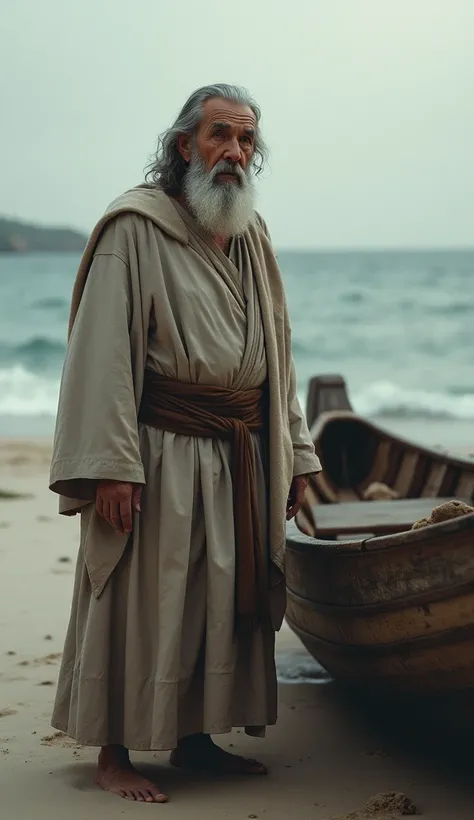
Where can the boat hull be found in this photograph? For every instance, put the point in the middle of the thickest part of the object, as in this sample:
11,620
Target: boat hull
395,612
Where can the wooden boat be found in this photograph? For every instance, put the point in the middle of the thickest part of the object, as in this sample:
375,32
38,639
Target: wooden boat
390,608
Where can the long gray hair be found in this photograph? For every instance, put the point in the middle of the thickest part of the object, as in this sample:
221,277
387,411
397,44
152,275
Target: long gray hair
168,167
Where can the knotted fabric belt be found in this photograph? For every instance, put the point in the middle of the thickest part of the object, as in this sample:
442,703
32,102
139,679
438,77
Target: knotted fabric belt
207,411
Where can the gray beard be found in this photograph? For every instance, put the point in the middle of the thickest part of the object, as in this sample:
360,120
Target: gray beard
223,209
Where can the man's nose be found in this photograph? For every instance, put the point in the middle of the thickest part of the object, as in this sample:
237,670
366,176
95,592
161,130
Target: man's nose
233,151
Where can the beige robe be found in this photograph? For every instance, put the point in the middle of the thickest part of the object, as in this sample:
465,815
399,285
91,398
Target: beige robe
151,654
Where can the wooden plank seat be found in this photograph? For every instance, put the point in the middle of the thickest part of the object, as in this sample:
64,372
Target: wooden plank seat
376,517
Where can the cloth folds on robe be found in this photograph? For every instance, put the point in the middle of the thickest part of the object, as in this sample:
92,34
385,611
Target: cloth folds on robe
217,412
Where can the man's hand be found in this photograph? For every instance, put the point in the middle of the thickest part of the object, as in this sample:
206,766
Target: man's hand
296,496
115,501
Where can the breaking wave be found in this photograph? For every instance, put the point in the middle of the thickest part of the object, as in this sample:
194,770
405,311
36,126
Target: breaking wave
25,392
386,399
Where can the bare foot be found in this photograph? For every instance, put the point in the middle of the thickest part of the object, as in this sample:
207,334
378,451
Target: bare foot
200,753
117,775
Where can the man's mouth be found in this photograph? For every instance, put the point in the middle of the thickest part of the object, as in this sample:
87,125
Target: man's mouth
227,176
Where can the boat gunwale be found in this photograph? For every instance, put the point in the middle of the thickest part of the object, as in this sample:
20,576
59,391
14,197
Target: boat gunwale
298,541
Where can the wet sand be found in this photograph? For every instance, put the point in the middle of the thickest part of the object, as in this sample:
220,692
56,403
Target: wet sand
328,755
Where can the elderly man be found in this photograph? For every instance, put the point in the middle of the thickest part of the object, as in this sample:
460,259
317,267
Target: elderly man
181,441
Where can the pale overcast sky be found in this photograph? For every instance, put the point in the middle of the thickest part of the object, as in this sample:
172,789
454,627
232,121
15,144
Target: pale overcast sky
368,108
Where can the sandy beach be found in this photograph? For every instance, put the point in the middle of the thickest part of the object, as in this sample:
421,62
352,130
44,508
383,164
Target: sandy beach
327,755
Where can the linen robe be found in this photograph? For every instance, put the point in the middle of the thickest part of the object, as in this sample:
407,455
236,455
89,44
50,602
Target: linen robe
150,653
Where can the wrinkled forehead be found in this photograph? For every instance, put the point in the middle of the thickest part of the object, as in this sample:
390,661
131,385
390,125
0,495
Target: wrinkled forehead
228,113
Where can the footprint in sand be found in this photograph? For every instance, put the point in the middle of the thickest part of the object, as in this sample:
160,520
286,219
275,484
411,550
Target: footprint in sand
15,679
47,660
12,495
8,712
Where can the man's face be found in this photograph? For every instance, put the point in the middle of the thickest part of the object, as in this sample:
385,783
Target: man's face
226,133
218,182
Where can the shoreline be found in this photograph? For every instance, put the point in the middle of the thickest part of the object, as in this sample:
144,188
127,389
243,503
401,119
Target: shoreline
431,430
328,754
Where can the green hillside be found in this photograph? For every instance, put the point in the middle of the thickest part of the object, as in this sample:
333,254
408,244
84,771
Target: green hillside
21,237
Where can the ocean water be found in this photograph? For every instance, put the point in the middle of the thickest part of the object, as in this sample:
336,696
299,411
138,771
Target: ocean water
399,326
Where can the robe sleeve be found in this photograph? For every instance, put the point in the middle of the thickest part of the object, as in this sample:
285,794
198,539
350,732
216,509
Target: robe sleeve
305,459
96,427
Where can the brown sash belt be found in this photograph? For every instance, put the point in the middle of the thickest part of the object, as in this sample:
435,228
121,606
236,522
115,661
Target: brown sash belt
207,411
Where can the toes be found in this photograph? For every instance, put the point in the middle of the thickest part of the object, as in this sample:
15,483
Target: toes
244,766
254,766
257,768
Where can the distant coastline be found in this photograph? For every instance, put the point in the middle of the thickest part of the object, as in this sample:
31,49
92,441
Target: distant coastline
24,237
